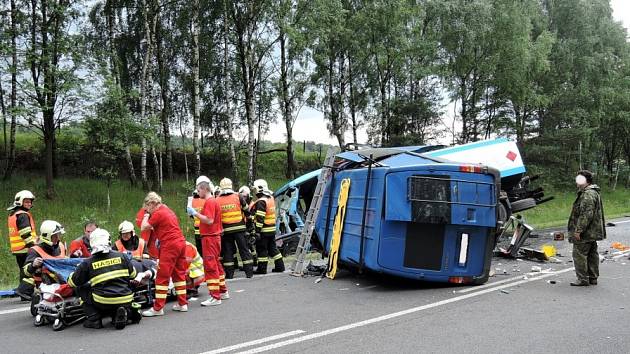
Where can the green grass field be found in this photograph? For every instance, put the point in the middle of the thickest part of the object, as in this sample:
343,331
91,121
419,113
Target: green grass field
81,199
556,212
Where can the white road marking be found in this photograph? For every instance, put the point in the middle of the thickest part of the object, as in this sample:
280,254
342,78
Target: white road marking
622,254
19,309
255,342
478,287
397,314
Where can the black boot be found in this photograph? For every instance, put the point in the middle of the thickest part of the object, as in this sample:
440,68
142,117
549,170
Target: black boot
135,316
279,266
262,268
120,319
95,323
249,270
229,272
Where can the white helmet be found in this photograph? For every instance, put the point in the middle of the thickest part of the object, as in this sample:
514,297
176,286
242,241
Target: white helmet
244,190
99,241
125,227
225,183
19,198
204,179
261,187
47,229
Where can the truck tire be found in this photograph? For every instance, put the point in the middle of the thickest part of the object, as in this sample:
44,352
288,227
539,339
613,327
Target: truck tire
521,205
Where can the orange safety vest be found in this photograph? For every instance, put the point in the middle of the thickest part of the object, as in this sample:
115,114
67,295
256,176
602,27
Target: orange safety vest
18,245
197,204
37,278
269,225
138,253
40,251
195,263
232,216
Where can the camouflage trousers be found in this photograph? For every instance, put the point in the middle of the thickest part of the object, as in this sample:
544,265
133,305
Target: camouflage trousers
586,261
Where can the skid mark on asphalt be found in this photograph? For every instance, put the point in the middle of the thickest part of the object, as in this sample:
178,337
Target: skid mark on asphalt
396,314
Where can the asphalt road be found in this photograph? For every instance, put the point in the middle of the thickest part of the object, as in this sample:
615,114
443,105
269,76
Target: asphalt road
369,314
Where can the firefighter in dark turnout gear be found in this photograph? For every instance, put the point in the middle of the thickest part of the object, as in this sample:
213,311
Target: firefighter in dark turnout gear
233,209
102,282
22,235
250,236
264,212
49,247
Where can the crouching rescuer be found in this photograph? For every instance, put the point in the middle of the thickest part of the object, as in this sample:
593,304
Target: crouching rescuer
102,281
264,211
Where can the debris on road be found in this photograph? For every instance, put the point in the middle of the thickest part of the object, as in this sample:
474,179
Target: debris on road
558,236
505,291
619,246
533,254
551,281
536,269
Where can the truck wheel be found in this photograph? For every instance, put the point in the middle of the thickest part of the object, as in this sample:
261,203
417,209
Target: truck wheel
521,205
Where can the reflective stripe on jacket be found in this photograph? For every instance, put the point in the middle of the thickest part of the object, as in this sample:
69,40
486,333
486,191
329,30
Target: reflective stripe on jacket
266,215
197,204
108,275
195,268
232,216
19,238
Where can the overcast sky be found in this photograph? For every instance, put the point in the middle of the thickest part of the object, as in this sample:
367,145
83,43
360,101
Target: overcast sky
310,124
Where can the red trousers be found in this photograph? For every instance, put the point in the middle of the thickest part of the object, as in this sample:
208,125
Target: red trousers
173,265
215,276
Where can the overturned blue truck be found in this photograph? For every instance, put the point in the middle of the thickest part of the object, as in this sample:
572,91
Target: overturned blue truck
422,212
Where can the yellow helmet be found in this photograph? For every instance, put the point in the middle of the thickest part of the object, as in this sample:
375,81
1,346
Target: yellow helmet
225,183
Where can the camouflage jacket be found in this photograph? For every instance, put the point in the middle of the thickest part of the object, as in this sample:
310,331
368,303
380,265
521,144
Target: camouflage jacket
587,216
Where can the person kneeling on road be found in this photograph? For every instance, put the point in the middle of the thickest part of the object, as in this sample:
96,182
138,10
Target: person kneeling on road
102,281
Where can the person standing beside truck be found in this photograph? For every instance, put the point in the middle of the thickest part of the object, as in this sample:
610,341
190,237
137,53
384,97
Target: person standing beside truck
585,228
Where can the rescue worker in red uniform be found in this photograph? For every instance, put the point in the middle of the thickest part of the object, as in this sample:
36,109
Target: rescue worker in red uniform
211,229
264,212
233,209
172,254
197,204
49,247
80,247
129,243
103,282
22,236
148,236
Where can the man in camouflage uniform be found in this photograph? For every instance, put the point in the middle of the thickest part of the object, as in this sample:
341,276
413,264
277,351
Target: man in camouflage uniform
585,228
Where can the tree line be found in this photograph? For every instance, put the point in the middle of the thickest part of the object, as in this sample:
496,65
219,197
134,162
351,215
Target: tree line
550,73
